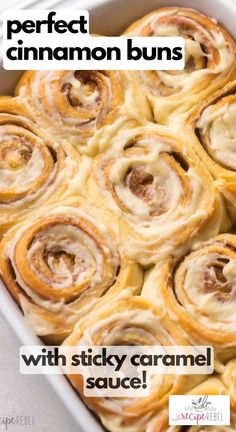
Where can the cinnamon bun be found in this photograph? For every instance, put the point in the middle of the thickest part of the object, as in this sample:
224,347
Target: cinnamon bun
209,60
59,264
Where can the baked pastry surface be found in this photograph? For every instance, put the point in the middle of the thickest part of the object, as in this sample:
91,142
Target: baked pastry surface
118,208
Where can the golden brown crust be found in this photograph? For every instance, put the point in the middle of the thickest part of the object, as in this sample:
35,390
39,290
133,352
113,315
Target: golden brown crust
209,63
34,169
197,291
156,190
58,266
121,322
104,195
210,127
73,105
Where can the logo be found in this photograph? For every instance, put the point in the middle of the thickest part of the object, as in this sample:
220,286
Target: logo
10,422
205,410
201,404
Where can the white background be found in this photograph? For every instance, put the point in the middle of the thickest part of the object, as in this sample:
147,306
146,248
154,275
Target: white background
28,394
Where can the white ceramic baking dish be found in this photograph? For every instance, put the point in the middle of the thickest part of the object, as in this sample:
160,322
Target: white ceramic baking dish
106,17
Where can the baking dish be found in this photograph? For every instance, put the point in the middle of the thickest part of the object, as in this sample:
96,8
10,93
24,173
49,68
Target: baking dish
106,17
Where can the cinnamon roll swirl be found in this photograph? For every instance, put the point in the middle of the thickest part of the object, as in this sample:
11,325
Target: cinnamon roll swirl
209,59
33,170
73,105
198,293
131,321
91,190
212,132
159,193
57,266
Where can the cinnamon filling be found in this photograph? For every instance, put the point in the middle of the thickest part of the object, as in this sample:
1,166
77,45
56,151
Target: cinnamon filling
214,281
217,133
200,52
14,154
56,261
143,186
190,30
90,86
